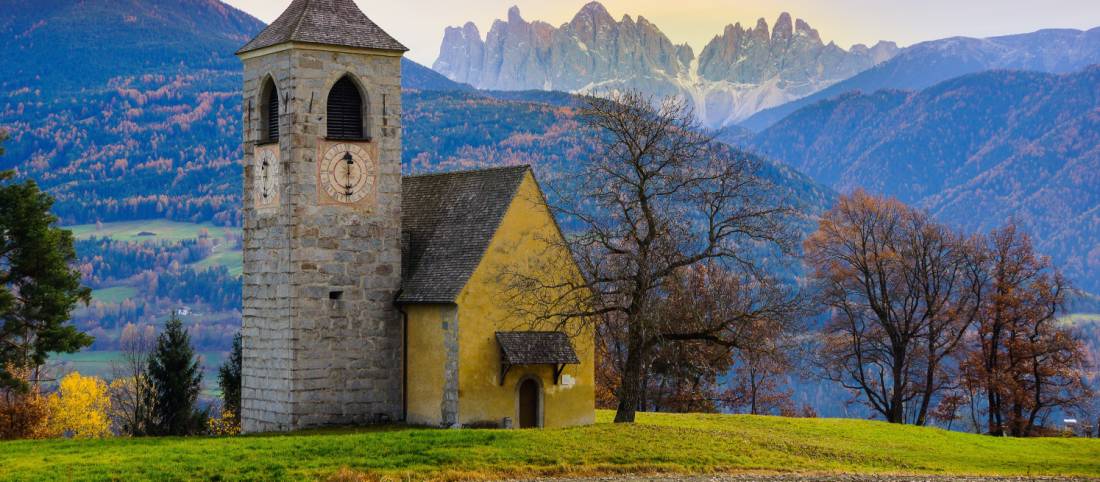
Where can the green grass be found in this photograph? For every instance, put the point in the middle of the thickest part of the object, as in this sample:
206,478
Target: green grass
131,230
162,230
115,294
232,260
1082,318
659,443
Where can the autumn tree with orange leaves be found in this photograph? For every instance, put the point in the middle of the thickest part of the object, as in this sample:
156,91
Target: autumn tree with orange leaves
1026,362
901,296
924,321
737,357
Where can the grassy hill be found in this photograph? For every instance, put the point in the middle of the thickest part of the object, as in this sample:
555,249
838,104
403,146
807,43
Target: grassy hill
659,443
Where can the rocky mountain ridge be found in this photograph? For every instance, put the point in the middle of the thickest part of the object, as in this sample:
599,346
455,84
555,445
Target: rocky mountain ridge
927,63
738,73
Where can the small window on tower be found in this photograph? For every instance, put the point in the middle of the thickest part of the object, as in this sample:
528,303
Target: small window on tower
269,113
347,112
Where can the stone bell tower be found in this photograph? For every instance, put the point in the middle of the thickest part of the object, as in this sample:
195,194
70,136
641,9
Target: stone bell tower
322,220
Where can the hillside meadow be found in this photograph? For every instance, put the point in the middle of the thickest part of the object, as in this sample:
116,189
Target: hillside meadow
659,443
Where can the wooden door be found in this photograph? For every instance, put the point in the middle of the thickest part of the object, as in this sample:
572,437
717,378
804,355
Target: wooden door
529,404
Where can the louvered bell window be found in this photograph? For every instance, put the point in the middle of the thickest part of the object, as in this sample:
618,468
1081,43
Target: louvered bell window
271,121
345,111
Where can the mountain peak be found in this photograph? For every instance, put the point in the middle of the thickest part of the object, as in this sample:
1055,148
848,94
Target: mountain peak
734,73
804,29
783,29
761,28
785,21
514,15
594,8
595,12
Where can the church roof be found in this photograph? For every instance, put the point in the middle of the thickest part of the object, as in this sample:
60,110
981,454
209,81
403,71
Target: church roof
328,22
448,221
536,348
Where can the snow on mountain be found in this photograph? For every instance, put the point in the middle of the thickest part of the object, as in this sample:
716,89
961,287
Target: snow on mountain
928,63
739,73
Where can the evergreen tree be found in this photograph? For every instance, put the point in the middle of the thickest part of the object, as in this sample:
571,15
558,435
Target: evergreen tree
38,288
229,379
174,379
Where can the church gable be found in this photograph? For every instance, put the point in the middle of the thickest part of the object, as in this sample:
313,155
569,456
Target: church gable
472,359
503,350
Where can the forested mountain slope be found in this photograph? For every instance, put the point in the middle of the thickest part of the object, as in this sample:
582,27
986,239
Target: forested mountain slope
975,151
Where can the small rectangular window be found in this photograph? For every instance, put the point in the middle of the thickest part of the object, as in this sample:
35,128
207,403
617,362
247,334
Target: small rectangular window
335,295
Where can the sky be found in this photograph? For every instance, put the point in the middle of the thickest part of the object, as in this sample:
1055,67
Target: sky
419,24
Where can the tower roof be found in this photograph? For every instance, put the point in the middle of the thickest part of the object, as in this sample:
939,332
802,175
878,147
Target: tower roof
328,22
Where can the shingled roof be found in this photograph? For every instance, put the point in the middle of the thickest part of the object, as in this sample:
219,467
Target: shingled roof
448,221
536,348
328,22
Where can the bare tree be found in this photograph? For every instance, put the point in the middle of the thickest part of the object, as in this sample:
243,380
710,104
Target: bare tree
657,197
901,297
757,383
740,369
129,388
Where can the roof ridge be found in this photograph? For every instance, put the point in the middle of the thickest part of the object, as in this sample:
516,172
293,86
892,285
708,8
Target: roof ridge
301,16
324,22
470,171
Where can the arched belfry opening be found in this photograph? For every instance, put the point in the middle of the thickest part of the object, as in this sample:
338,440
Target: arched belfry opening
269,112
347,111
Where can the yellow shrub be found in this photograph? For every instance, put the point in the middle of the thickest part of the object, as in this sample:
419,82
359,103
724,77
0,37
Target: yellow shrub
80,408
227,425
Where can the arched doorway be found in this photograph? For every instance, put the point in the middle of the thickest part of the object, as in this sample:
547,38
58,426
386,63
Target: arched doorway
530,397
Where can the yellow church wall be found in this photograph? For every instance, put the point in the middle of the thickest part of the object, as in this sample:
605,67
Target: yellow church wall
483,310
426,358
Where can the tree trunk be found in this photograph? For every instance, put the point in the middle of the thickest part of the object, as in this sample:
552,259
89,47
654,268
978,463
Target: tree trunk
895,413
926,397
630,387
1037,400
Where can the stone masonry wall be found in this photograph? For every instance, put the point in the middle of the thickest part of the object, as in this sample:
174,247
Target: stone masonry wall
267,335
311,360
449,405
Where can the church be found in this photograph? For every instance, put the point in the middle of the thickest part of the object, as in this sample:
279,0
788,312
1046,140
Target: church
372,297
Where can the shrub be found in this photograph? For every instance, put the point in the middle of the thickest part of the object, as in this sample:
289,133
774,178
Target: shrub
227,425
79,409
22,415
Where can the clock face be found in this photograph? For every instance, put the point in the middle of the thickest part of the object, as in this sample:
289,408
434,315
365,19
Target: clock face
266,178
348,173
